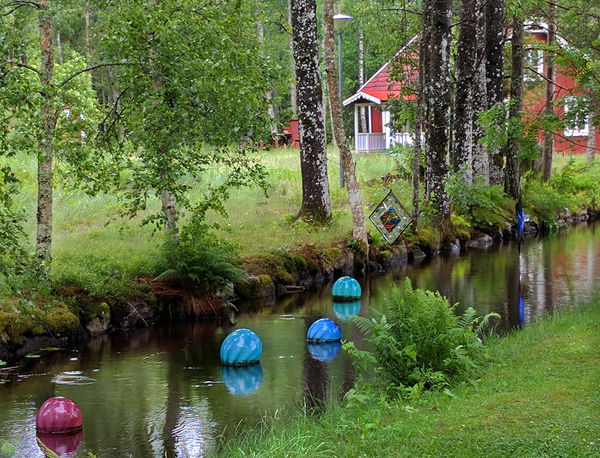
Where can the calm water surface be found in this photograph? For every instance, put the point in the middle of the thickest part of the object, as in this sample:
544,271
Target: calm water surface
161,390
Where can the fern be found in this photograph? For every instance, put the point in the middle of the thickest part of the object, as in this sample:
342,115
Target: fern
420,342
199,261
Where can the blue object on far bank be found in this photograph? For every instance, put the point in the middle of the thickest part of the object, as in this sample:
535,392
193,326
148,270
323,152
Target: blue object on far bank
324,351
241,348
346,310
346,287
242,380
324,330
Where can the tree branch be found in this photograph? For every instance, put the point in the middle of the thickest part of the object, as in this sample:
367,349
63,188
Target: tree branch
89,69
28,67
16,5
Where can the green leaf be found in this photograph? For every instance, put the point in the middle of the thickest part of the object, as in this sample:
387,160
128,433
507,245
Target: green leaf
7,449
32,355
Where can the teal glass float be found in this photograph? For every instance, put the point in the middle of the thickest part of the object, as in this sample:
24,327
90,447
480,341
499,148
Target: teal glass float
324,351
324,330
242,380
346,310
346,289
242,347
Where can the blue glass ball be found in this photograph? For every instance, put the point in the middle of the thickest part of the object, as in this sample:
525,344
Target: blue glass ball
242,380
324,351
346,310
324,330
346,287
241,348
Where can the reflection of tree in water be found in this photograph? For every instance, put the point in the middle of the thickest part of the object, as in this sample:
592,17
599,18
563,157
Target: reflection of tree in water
186,426
314,372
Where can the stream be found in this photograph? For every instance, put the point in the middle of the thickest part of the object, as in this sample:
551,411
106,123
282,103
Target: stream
161,391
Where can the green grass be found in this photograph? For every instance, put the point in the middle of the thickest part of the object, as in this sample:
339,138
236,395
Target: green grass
98,250
539,397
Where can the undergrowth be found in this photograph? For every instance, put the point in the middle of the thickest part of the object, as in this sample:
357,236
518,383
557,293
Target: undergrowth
419,343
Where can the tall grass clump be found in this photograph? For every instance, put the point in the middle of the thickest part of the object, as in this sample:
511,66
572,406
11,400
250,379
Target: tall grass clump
199,261
419,343
574,187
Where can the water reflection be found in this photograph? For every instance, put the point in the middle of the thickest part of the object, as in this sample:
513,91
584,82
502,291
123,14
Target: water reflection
162,391
242,380
61,444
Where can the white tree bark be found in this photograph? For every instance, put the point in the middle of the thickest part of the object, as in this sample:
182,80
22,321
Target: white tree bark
46,135
359,228
316,200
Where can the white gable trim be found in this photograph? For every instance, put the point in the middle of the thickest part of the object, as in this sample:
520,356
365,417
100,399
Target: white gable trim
362,95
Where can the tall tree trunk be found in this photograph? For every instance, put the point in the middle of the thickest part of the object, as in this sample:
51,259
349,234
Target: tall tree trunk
591,139
46,134
549,104
316,201
494,69
481,161
427,97
59,47
512,170
88,54
260,30
293,92
417,142
438,91
168,199
359,228
463,100
361,76
326,111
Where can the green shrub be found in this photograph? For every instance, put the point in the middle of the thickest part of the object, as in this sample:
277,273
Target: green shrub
484,206
419,342
199,261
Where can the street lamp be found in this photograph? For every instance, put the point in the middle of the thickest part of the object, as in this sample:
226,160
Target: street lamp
339,21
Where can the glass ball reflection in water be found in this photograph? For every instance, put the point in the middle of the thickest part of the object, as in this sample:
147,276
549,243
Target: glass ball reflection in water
346,310
324,351
241,348
242,380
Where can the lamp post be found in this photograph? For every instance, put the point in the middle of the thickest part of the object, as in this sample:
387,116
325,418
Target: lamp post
339,21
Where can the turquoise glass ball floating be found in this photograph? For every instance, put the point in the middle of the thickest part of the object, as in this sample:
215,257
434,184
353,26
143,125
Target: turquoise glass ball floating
242,380
242,347
346,310
324,351
324,330
346,288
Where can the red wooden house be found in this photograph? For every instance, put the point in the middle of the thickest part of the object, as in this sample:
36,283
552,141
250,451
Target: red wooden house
572,139
375,95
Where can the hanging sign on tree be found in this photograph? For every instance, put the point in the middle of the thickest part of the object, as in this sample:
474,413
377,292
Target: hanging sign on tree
390,218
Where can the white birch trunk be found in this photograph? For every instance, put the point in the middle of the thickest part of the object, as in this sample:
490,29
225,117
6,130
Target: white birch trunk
359,228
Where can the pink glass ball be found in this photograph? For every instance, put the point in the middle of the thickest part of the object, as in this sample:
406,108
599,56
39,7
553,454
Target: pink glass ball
58,416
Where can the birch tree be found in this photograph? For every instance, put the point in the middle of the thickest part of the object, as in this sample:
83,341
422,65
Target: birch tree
437,90
494,68
481,163
316,201
515,127
466,59
359,228
549,69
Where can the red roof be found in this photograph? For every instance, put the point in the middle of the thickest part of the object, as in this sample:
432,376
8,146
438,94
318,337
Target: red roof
383,85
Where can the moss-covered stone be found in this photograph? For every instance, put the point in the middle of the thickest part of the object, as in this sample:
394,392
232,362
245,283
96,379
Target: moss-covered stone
256,286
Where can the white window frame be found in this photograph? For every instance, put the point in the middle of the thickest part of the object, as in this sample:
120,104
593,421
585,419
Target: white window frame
578,131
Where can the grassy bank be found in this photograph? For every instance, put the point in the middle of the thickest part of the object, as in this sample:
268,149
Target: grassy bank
100,255
539,397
